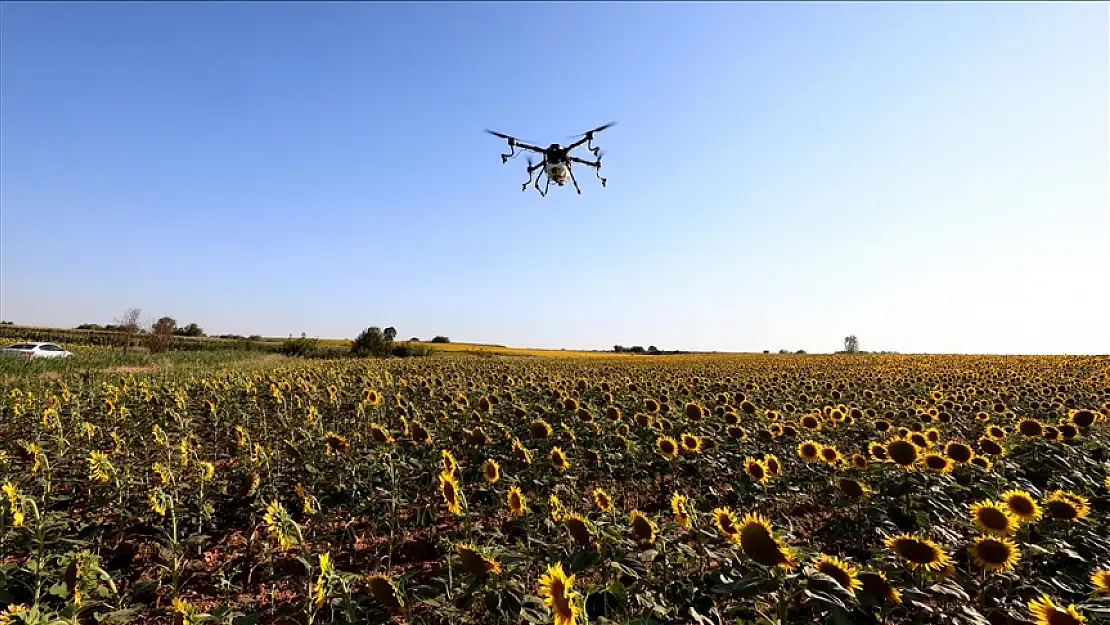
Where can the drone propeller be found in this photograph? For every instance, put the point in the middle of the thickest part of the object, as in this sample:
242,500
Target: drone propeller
590,133
503,136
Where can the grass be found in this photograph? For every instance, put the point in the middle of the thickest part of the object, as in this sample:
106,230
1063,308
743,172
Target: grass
90,359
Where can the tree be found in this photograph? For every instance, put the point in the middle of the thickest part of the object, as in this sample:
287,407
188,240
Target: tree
390,333
371,342
441,339
161,335
129,327
851,344
190,330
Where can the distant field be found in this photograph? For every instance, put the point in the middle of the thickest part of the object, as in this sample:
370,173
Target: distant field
12,333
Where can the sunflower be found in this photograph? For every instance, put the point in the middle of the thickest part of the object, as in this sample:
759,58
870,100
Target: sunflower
810,422
380,434
643,529
559,459
385,591
1021,505
759,543
476,563
878,452
903,453
993,518
994,554
420,434
1101,580
756,470
852,488
680,510
809,451
335,444
555,588
877,585
1066,506
959,452
727,523
920,552
602,500
771,461
1030,428
521,452
491,470
667,446
449,488
1068,431
991,446
936,463
579,529
859,461
830,455
691,444
539,429
450,465
518,505
1082,417
982,462
1046,612
843,572
555,507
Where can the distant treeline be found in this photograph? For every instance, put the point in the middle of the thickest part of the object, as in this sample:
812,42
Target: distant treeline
651,350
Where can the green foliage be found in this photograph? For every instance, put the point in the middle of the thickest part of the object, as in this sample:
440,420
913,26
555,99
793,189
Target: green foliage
299,347
441,339
189,330
373,342
413,350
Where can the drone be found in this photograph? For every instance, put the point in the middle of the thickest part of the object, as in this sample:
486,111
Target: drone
556,162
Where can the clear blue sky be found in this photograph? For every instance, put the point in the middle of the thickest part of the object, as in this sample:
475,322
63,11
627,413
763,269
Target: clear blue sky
930,177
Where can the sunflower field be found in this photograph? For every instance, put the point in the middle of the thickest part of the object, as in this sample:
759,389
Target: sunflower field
745,489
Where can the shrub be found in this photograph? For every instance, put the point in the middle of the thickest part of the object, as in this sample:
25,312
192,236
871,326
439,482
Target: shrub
298,347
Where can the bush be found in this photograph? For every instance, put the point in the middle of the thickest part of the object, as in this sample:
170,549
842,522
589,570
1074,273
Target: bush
441,339
299,347
413,350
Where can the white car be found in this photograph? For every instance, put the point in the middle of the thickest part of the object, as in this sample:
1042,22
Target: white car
36,350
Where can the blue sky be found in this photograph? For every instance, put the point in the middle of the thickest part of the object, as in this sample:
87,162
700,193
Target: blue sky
930,177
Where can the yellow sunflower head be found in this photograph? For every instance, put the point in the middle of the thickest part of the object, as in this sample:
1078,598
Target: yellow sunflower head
920,552
992,517
555,589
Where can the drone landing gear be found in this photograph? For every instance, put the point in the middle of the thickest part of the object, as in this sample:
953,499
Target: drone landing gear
512,152
546,186
531,171
570,171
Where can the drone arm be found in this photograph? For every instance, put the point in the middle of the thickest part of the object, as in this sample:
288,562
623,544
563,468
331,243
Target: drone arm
533,148
595,164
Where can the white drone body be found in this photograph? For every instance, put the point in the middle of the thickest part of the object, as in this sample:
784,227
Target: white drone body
557,172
